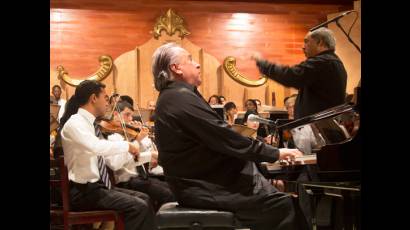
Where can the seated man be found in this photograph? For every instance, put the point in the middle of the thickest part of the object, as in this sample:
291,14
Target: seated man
58,100
206,163
127,176
231,112
151,107
290,105
303,136
84,155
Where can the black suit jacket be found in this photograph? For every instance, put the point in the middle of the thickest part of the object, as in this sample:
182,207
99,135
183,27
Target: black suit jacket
203,158
321,81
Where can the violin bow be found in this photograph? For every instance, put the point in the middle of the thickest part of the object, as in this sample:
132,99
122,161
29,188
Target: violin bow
115,106
122,122
139,113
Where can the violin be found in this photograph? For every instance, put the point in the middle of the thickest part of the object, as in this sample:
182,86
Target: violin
128,131
111,126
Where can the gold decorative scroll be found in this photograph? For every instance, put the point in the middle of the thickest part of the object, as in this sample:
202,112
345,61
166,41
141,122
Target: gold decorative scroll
230,68
170,22
105,69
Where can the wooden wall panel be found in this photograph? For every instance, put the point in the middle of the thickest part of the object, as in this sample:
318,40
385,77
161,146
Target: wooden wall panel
349,55
81,31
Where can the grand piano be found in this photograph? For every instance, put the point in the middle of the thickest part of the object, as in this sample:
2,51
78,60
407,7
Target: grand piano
331,143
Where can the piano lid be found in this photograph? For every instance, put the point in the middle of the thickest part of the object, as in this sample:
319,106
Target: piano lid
331,112
309,134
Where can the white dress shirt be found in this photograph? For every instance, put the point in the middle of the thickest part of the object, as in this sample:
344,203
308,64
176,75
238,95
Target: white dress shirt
147,145
125,167
305,140
81,147
61,103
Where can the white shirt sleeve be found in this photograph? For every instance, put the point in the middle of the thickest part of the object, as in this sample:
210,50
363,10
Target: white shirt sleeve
91,143
143,157
117,161
61,103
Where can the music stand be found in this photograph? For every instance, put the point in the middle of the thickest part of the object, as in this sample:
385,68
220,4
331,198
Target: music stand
145,114
54,109
219,109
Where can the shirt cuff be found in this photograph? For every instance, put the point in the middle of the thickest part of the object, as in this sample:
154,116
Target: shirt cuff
144,157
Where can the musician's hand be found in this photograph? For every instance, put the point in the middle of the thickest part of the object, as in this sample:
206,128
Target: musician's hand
289,154
136,124
134,148
154,154
143,133
256,56
154,162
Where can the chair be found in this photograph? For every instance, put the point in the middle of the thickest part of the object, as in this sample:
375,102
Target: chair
77,218
173,216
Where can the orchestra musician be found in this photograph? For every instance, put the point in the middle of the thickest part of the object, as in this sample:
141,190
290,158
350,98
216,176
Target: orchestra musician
85,152
56,99
127,176
231,112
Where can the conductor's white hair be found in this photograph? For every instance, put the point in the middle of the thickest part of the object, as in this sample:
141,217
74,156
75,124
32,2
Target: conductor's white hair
326,36
163,57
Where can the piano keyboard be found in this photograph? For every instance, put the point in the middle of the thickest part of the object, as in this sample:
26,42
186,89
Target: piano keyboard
303,160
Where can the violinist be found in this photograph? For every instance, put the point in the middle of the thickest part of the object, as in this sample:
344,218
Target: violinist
114,99
85,153
127,99
127,176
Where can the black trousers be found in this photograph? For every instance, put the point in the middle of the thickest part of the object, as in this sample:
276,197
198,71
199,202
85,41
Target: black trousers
138,213
268,210
158,190
264,209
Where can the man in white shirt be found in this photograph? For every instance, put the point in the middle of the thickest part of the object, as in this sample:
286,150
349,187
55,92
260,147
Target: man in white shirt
84,153
56,91
127,176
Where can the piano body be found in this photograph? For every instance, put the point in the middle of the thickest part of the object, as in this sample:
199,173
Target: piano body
331,142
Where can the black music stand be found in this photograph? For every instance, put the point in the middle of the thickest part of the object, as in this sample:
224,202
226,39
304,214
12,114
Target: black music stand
219,109
145,114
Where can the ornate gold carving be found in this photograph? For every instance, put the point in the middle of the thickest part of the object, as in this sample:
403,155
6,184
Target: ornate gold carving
230,68
105,69
170,22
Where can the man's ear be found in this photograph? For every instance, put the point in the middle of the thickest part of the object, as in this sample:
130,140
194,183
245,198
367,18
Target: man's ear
175,68
93,98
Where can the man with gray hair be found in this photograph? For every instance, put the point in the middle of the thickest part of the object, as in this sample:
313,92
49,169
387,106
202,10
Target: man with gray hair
320,79
205,162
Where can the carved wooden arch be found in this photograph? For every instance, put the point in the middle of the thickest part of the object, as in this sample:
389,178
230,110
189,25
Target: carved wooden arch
130,72
106,65
230,68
